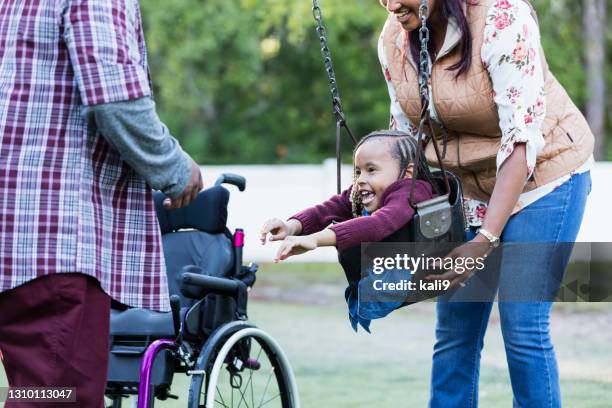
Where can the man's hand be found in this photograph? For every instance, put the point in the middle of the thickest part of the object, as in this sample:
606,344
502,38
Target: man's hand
279,229
295,246
193,187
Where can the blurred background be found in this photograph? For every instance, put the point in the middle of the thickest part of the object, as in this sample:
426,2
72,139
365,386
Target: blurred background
243,82
242,86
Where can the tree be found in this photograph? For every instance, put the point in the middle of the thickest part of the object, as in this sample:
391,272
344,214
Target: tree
594,41
243,81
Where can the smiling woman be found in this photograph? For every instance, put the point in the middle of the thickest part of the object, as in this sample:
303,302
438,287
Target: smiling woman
406,12
517,142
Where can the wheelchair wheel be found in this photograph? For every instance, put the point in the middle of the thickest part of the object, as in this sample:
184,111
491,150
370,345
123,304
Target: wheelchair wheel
248,369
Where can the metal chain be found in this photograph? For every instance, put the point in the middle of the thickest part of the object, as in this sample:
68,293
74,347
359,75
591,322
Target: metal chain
423,79
424,68
333,84
424,59
325,53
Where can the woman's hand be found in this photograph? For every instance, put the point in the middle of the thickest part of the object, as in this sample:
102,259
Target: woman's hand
295,246
510,181
279,229
477,248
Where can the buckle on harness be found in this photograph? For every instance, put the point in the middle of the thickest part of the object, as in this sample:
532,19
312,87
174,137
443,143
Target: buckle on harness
434,216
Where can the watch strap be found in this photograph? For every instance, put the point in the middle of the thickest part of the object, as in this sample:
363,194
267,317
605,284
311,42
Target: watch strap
492,238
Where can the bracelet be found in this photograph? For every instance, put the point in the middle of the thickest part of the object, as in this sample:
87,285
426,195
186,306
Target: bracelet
493,240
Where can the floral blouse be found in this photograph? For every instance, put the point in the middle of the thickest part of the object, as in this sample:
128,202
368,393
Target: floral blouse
510,53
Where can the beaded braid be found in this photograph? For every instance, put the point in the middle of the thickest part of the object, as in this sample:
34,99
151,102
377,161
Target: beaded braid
404,150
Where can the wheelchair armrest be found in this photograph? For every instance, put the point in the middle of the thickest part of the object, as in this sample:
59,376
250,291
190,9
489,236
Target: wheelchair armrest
195,285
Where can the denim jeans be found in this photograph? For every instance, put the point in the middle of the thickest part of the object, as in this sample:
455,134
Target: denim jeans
461,326
366,304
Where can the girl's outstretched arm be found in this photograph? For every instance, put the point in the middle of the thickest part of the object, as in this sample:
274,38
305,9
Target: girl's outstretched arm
392,216
296,245
279,229
314,219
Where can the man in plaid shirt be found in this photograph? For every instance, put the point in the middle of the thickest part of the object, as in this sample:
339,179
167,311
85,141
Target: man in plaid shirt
81,148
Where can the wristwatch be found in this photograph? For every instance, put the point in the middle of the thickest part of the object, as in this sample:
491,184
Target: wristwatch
493,240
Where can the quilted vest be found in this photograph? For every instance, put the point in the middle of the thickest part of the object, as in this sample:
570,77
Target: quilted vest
467,110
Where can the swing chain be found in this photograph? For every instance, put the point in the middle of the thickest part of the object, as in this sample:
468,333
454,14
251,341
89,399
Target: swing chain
327,61
333,84
424,58
423,80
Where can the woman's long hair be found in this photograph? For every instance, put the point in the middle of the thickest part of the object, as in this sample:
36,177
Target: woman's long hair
404,150
446,9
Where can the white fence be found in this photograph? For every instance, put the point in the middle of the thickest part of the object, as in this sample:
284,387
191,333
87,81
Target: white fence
282,190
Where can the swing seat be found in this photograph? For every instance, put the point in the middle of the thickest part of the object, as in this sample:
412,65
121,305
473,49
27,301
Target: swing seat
438,220
442,218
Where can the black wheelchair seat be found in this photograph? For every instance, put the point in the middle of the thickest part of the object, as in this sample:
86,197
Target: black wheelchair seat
141,323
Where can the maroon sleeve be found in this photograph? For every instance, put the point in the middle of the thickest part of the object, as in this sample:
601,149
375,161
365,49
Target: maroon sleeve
315,219
393,215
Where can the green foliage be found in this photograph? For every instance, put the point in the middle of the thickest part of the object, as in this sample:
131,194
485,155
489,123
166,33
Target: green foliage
243,81
561,33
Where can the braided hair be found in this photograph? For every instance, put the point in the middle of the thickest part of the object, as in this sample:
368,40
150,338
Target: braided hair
404,150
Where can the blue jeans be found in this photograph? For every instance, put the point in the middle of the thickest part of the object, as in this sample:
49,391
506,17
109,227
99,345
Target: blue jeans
461,326
366,304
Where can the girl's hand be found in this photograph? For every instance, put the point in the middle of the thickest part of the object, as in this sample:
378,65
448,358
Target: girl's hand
478,247
279,229
293,245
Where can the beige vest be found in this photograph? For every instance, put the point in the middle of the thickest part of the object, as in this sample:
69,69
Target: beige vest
466,108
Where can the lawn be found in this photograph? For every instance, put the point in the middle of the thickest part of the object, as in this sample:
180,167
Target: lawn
301,305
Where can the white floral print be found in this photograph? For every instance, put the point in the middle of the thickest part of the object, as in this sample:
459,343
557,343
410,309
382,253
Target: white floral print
510,53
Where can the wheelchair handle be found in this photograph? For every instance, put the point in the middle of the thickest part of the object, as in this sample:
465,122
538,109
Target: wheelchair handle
175,306
231,178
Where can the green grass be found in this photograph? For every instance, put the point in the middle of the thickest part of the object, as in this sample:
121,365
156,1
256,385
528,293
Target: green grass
336,368
295,274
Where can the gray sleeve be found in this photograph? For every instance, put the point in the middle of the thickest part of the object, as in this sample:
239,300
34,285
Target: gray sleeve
143,141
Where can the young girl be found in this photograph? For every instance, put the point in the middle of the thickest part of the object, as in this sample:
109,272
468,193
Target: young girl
374,207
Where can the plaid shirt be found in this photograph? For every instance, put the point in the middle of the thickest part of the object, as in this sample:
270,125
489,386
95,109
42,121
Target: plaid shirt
68,203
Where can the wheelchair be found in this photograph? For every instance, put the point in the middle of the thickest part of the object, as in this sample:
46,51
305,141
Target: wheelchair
206,336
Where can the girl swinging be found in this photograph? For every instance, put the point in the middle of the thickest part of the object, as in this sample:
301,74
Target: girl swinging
373,208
